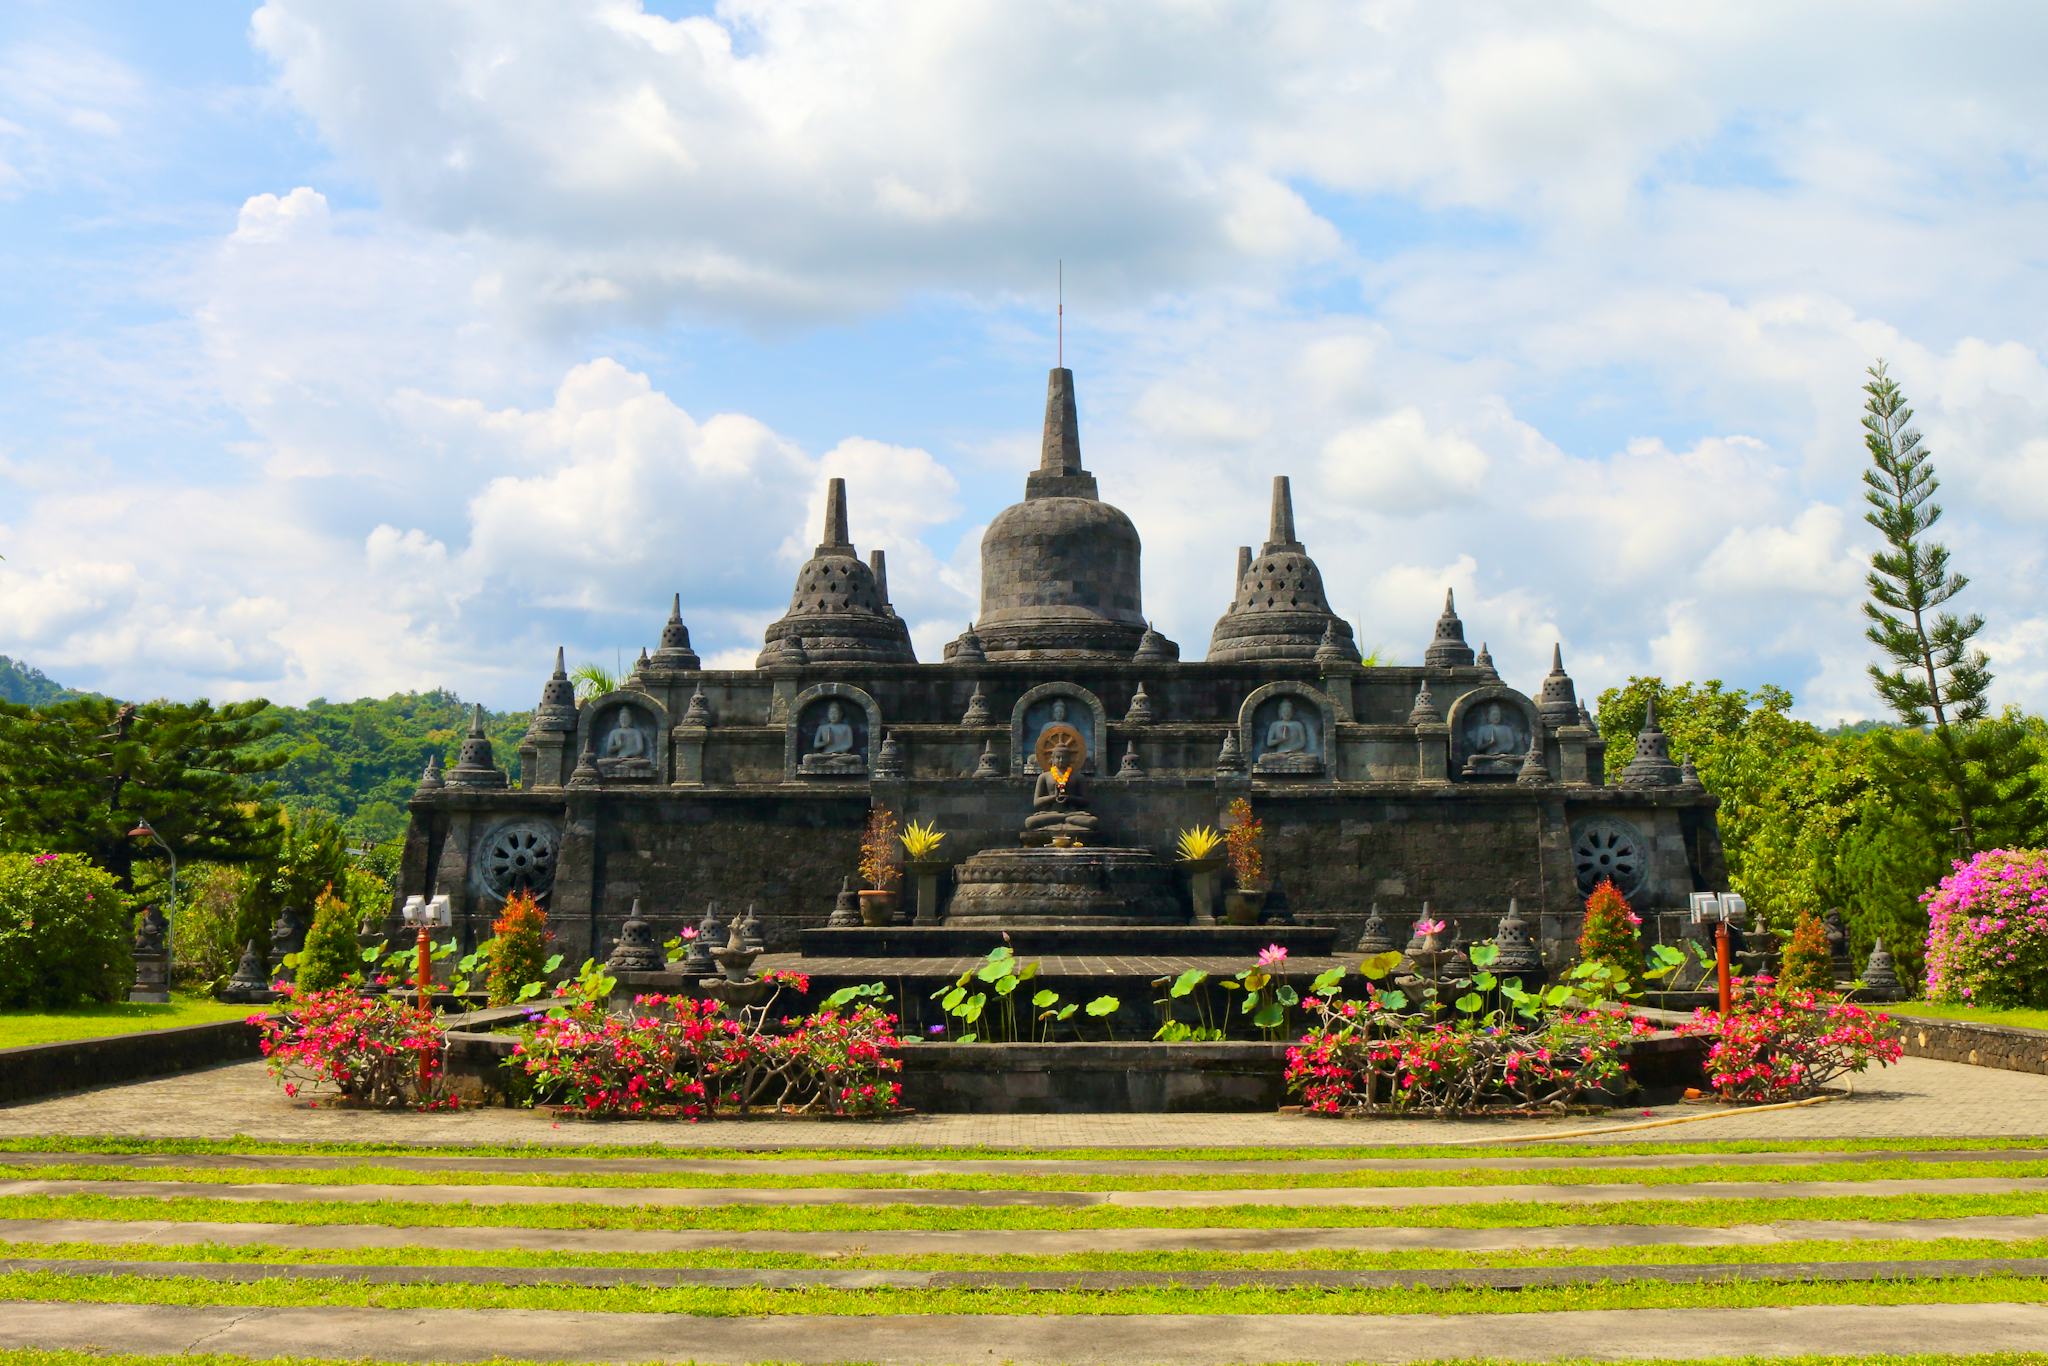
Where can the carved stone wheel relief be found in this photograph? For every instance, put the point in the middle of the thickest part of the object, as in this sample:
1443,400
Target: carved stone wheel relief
1605,848
519,857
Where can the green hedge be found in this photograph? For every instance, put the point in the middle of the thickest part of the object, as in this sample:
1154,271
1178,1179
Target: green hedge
66,933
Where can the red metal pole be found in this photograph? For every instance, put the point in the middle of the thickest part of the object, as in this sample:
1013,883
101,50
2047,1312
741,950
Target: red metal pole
426,968
1721,965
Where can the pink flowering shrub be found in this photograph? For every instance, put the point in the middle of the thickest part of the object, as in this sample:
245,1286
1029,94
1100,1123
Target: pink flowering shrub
1987,931
842,1062
1780,1044
375,1051
1362,1057
66,932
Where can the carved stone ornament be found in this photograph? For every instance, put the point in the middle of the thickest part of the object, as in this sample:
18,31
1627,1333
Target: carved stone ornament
518,856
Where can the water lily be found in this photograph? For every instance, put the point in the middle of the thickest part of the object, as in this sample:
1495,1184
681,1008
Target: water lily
1272,955
1429,927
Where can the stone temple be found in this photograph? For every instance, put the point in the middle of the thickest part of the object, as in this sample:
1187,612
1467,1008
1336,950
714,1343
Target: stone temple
1383,789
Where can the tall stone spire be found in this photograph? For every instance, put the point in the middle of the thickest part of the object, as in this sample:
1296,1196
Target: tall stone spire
1448,650
878,565
1280,610
557,709
475,766
1244,567
837,608
674,652
1059,473
1558,703
1652,766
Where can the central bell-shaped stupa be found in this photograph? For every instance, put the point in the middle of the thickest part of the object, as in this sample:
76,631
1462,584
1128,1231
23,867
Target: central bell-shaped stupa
1059,571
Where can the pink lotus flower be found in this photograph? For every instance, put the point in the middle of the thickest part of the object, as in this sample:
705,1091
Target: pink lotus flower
1429,927
1272,956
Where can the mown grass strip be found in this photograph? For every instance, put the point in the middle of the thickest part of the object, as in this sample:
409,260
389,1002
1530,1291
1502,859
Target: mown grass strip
1703,1213
1286,1179
33,1356
211,1147
749,1301
1333,1259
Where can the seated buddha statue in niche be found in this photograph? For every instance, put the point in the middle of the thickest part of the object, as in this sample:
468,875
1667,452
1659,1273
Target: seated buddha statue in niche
1289,746
1059,802
1494,742
627,752
832,745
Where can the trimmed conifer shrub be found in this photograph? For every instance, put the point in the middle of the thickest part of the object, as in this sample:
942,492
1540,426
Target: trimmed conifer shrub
1806,965
1611,934
331,955
518,951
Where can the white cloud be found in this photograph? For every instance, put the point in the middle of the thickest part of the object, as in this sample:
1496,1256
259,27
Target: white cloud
1397,465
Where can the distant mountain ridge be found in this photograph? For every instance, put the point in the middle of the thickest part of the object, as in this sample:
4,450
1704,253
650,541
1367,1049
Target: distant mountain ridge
21,682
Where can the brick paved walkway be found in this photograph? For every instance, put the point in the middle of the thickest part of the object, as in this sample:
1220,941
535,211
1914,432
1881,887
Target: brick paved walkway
1916,1098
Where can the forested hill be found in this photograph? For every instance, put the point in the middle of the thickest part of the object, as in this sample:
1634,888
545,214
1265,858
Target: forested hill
22,683
359,761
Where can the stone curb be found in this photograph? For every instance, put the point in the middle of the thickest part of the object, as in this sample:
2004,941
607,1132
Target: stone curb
45,1069
1980,1045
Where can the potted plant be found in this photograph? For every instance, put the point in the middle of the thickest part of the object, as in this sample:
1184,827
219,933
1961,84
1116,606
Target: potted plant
1245,842
920,841
878,868
1201,853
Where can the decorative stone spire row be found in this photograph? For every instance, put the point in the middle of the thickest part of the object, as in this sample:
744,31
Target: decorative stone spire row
1535,773
674,651
556,713
475,766
838,608
1424,712
1280,611
1558,704
1448,650
1652,766
1485,661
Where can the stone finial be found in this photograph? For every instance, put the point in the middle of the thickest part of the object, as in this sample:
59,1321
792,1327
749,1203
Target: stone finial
674,651
1060,448
837,535
1558,703
1154,648
636,950
836,603
793,651
1230,759
1485,661
710,931
988,766
252,974
889,758
474,765
640,664
966,649
1448,649
1880,977
1535,773
1331,649
1374,937
1689,776
1280,526
1424,712
430,777
1140,713
749,928
977,713
1130,767
845,907
878,565
1586,720
1244,564
1518,951
698,713
585,773
557,709
1652,766
1279,610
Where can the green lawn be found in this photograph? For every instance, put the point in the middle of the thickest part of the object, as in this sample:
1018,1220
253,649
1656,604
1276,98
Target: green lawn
18,1027
2021,1019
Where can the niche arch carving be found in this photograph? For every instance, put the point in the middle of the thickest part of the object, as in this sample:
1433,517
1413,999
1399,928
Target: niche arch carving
1035,711
1312,711
598,725
1490,731
809,707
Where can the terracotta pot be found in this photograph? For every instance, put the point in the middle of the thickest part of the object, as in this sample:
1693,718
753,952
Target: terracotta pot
1242,908
878,908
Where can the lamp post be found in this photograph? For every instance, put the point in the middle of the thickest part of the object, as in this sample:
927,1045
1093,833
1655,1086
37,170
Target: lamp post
144,830
436,914
1720,908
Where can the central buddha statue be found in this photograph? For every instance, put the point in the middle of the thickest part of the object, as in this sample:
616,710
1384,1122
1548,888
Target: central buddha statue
1059,803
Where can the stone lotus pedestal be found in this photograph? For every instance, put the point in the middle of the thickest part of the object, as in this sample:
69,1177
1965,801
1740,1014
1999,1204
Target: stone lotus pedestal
833,765
1048,885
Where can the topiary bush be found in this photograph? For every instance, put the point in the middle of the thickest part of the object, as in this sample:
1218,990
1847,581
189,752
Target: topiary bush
518,952
331,955
1611,935
66,932
1806,965
1987,931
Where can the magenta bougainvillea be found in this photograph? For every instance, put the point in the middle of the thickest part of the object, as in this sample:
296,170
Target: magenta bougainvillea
1779,1044
1987,931
380,1052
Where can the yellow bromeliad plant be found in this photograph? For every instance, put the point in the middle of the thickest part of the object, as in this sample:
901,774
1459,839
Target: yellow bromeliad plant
1198,844
921,840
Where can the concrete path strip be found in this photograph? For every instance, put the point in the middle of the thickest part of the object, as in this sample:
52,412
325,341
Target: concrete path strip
1497,1278
1134,1340
1328,1196
1165,1168
1023,1242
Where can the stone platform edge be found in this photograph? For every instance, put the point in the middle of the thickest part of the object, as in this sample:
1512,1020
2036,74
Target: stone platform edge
2008,1047
44,1069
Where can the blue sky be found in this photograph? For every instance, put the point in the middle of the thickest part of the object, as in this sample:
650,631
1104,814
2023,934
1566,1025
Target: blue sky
348,349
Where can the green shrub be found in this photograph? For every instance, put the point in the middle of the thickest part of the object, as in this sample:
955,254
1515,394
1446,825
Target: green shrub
518,952
1611,935
331,955
66,932
208,941
1806,965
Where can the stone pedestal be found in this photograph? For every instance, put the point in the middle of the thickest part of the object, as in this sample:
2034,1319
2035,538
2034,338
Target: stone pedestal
1053,886
1204,876
926,877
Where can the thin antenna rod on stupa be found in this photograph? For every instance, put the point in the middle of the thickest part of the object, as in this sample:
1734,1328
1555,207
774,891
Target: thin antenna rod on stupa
1061,353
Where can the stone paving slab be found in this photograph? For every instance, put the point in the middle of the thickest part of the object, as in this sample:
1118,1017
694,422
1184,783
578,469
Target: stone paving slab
1164,1168
1022,1242
1183,1340
1497,1278
1916,1098
684,1197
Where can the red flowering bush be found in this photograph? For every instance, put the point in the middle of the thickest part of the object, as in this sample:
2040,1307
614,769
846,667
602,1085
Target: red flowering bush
1987,931
1368,1058
1611,935
375,1051
666,1056
1806,965
841,1061
1780,1044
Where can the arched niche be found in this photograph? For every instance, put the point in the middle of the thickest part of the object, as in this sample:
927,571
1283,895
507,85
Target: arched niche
1035,710
811,709
1287,729
627,732
1490,730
